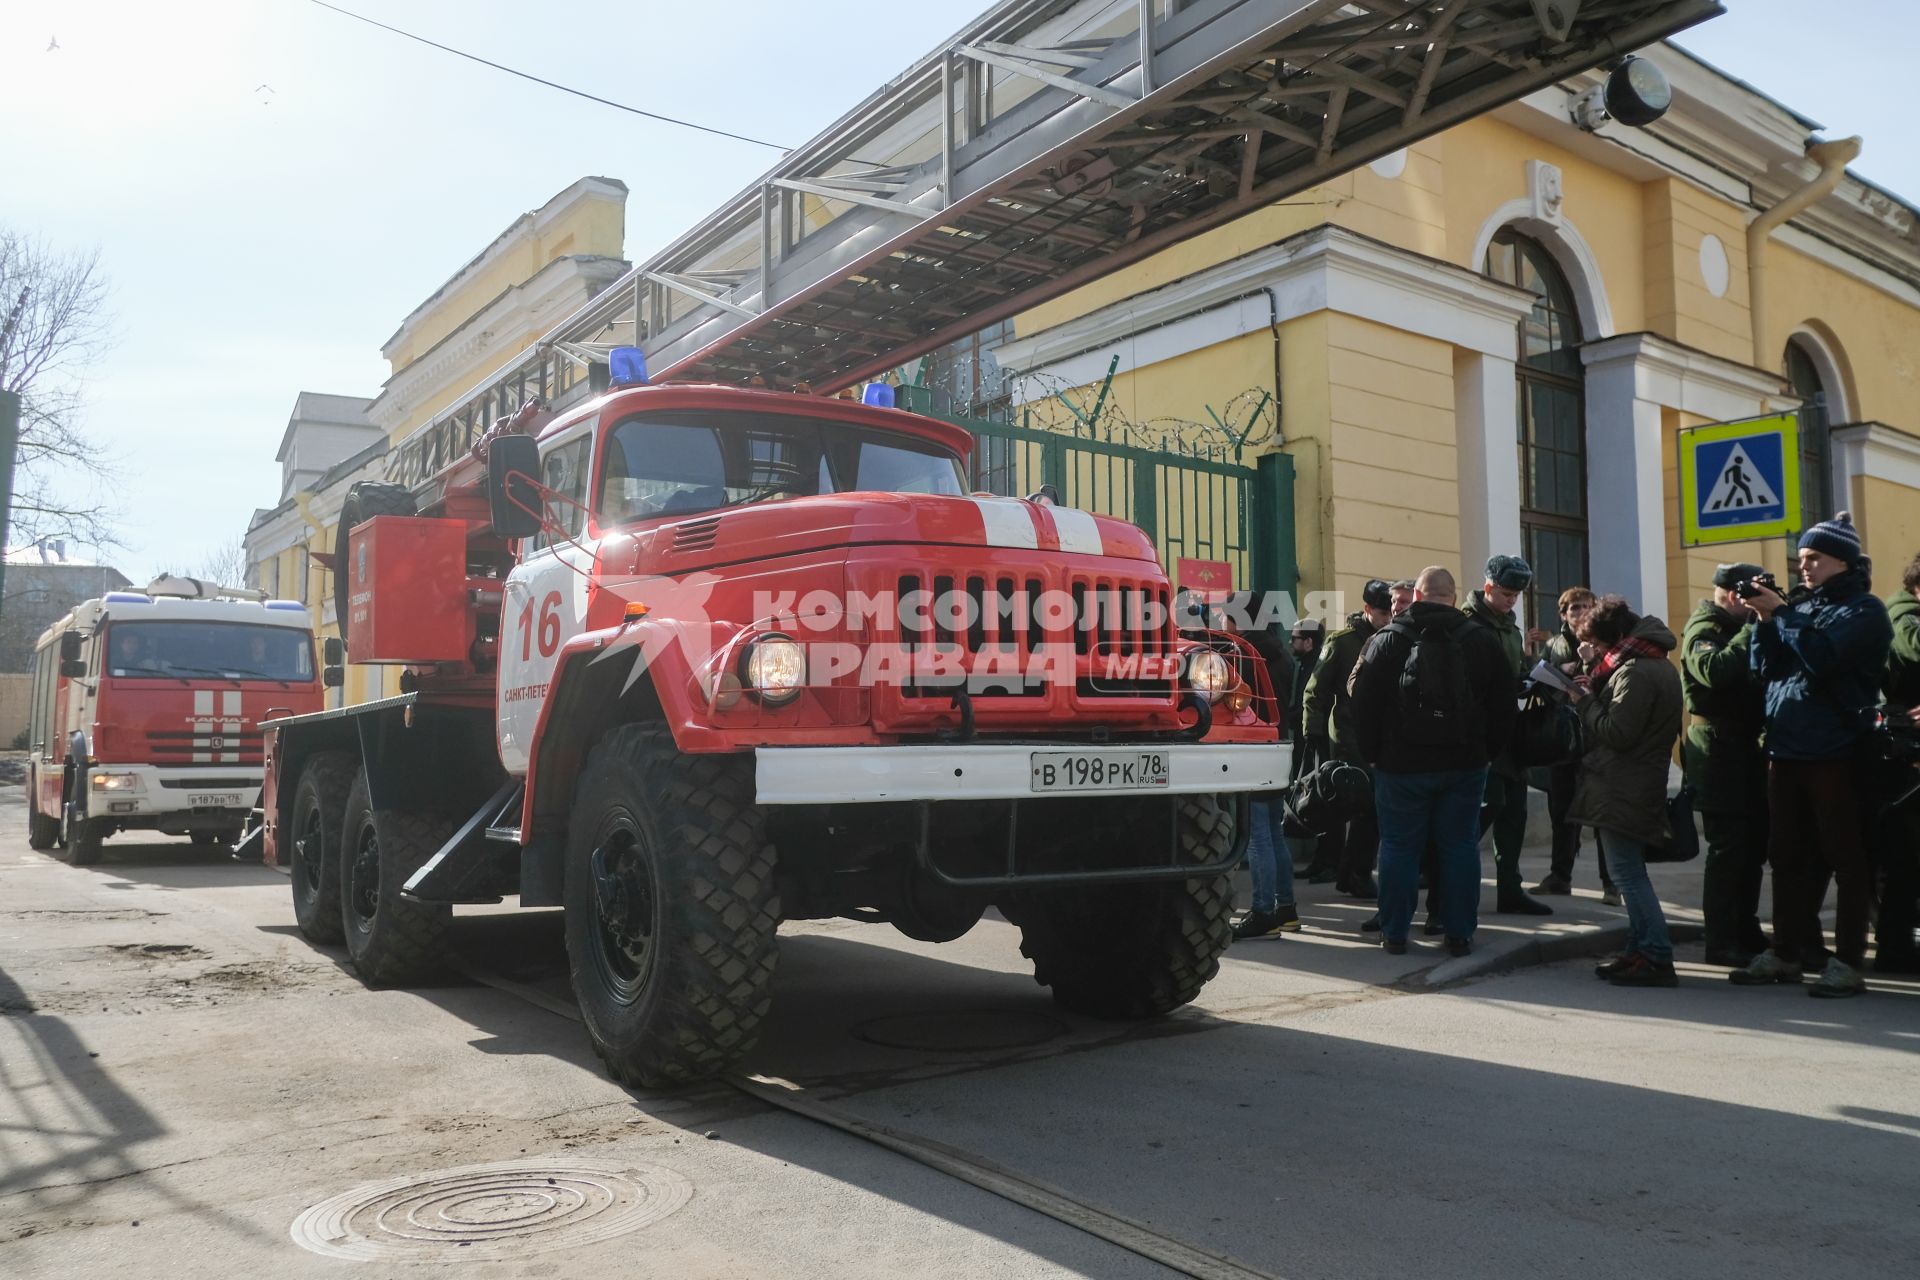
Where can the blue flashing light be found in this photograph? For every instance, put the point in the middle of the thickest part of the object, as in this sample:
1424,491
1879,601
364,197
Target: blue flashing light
291,606
628,367
125,597
878,394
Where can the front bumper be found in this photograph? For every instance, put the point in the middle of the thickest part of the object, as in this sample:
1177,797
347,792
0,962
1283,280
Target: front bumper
155,792
1000,771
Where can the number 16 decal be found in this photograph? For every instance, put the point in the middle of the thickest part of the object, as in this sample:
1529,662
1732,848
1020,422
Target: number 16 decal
549,627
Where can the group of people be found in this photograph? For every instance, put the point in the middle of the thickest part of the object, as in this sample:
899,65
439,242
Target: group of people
1793,695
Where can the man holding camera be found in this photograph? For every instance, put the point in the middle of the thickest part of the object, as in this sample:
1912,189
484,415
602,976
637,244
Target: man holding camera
1894,948
1725,765
1821,655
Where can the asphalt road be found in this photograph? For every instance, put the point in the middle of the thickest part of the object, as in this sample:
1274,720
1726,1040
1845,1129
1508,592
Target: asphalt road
182,1077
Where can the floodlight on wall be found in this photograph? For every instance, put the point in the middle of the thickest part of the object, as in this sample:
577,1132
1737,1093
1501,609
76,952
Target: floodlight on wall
1635,93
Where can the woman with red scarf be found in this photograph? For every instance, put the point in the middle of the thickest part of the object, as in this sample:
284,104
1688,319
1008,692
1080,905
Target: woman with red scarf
1632,709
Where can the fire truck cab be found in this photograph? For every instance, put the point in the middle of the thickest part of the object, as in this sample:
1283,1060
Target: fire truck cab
147,708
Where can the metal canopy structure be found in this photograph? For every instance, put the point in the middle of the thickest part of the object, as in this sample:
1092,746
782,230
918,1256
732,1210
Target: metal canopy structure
1050,143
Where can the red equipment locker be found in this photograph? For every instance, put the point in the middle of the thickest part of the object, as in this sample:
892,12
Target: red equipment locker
406,591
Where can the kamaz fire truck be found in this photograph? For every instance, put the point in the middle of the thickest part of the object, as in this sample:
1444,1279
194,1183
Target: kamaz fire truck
691,660
147,708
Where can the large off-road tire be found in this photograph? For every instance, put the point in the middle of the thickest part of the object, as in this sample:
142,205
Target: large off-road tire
42,832
365,500
80,843
314,842
671,909
392,940
1134,950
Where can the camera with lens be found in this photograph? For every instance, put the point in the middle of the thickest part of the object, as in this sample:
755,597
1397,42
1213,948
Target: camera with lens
1748,588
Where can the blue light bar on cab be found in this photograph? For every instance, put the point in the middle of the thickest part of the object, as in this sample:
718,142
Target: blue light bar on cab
125,597
292,606
627,367
878,394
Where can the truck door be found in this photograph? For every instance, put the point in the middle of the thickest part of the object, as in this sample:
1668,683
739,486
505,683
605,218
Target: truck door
546,598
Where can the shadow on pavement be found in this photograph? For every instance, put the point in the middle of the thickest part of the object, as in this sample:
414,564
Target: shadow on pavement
76,1128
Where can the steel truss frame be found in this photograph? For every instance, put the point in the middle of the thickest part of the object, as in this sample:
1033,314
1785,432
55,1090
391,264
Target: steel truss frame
1050,143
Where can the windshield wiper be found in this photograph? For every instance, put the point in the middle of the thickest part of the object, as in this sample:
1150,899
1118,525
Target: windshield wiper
235,673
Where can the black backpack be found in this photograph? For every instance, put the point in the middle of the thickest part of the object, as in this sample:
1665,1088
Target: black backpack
1437,707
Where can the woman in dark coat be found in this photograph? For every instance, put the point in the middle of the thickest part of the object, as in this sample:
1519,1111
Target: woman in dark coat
1632,709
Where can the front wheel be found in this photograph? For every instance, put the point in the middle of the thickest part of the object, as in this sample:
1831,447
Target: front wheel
671,910
1134,950
42,832
392,939
80,842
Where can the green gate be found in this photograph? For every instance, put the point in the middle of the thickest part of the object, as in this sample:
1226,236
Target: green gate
1194,505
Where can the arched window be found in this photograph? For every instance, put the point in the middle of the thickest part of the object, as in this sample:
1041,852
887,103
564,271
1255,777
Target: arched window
1552,424
1816,454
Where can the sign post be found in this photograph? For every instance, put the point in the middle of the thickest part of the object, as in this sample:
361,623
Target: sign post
1740,480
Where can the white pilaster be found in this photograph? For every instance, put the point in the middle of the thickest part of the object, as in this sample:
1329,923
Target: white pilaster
1626,511
1484,409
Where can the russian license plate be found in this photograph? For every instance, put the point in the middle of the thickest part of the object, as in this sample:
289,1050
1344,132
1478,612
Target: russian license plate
216,799
1099,770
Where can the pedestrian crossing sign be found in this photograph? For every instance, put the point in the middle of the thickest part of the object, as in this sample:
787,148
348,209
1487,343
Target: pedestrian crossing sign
1740,480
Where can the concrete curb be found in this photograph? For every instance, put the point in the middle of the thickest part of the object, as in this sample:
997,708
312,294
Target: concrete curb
1568,944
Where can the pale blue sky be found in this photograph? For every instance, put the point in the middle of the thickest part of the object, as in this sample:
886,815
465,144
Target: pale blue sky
263,243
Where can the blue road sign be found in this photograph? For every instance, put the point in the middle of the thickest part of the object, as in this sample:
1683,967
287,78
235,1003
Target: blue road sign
1739,480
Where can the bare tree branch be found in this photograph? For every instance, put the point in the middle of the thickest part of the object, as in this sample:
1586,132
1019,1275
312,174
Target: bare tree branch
58,306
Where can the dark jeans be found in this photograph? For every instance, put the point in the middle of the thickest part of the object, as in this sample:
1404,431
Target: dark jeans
1817,811
1646,922
1418,809
1562,781
1506,801
1736,865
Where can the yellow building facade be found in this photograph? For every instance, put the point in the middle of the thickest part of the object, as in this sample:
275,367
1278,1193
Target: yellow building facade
543,266
1488,342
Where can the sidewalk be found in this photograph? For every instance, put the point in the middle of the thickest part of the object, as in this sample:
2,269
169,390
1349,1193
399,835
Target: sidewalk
1581,924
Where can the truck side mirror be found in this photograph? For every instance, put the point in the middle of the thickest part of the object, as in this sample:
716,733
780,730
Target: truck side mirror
73,668
333,676
69,645
332,652
513,495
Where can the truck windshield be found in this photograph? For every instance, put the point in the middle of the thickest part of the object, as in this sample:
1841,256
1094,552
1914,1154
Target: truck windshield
222,650
691,462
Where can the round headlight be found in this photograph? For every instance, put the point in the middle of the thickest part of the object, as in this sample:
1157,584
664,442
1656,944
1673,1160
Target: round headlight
775,668
1209,674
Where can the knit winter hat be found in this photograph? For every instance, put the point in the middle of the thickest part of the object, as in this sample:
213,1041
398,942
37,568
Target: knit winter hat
1510,572
1836,537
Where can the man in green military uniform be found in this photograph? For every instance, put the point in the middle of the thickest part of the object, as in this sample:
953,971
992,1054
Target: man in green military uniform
1492,607
1351,846
1894,947
1726,766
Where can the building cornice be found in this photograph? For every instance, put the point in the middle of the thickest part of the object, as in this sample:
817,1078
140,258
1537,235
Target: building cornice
554,289
534,221
1728,139
1326,268
1680,377
1878,451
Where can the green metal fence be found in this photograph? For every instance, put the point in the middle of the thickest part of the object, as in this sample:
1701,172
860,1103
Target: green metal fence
1193,505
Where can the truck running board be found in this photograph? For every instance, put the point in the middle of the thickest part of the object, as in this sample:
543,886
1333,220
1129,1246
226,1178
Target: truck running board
472,865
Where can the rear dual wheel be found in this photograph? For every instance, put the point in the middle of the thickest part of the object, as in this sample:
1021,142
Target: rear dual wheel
319,807
392,939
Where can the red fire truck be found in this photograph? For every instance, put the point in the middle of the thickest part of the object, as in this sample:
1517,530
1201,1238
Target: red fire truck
147,708
692,660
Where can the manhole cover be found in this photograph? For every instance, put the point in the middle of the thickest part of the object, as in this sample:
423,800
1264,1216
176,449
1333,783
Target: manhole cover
483,1211
962,1030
